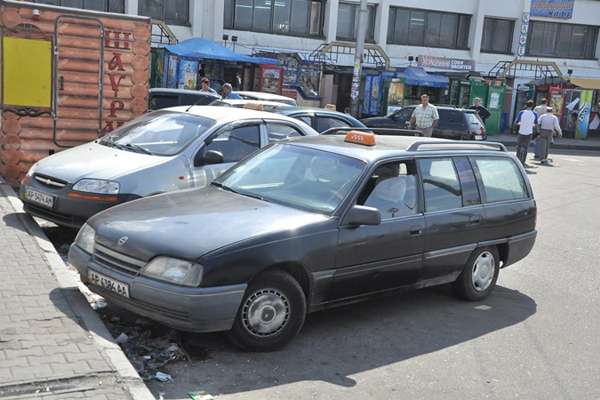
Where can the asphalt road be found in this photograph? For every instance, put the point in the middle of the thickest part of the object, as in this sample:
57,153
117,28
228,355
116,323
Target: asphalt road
536,337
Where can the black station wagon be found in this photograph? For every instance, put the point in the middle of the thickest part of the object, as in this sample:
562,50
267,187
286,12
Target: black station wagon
310,224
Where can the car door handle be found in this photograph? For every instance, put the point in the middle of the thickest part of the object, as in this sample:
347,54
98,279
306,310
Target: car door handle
475,220
416,232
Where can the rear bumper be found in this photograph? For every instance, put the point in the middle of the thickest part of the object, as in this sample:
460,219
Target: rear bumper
188,309
519,247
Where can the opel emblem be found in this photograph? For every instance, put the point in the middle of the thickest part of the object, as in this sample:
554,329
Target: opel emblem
122,241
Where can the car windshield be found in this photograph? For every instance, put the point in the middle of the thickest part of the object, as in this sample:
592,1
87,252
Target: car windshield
295,176
159,133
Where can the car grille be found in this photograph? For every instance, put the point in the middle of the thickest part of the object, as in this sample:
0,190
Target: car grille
50,181
54,216
117,261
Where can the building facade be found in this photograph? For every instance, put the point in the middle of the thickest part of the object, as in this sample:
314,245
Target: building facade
482,31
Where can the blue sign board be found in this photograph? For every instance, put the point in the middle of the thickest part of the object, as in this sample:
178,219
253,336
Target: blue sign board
552,8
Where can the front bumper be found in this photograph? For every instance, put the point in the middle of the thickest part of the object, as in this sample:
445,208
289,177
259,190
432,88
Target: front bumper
188,309
67,211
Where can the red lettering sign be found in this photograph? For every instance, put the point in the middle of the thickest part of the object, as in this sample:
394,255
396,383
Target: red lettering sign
116,105
116,62
115,81
110,125
116,39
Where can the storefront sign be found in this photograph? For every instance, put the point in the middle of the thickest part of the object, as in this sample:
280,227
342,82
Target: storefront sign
116,42
523,34
583,118
455,64
552,8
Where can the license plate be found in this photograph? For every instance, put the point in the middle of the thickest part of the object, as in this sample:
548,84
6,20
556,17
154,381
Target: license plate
478,137
39,198
111,284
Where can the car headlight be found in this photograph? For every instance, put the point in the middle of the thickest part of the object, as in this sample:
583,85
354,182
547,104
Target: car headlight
85,238
97,186
180,272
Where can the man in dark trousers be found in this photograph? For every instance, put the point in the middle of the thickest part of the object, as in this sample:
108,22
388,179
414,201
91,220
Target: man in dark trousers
481,110
526,121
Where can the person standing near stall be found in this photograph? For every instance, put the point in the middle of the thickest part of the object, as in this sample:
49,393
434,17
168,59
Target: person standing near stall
481,110
425,117
549,127
526,120
540,110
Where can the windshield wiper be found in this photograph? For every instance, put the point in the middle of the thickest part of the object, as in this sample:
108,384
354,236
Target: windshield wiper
232,190
138,148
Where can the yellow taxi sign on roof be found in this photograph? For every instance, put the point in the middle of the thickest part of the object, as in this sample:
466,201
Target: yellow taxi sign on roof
358,137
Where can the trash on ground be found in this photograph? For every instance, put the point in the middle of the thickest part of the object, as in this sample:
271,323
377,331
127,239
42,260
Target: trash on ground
200,396
162,377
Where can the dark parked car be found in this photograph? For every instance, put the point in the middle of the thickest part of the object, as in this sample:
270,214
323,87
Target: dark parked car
309,224
160,98
321,119
454,123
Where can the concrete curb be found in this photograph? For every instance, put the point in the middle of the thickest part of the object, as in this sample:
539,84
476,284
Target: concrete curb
127,373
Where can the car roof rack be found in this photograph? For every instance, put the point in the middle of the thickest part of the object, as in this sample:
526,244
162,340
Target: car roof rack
462,145
377,131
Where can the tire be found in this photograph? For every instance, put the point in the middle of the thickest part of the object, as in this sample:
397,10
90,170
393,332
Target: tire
271,314
473,286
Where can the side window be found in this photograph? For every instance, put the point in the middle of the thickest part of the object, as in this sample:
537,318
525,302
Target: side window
440,184
324,123
392,189
236,143
501,179
279,131
305,118
404,115
467,181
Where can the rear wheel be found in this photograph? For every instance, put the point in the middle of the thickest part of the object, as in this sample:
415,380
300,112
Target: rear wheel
271,314
479,275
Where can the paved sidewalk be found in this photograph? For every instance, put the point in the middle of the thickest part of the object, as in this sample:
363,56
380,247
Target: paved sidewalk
52,344
592,144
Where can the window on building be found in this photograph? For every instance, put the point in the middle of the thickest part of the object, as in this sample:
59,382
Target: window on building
291,17
115,6
497,35
552,39
347,23
428,28
174,12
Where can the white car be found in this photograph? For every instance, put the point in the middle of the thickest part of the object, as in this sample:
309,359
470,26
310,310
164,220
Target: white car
267,97
259,105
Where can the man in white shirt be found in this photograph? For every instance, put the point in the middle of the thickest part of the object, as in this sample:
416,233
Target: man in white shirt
527,120
549,127
425,117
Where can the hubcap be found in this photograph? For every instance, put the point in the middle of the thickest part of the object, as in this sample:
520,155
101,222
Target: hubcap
265,312
483,271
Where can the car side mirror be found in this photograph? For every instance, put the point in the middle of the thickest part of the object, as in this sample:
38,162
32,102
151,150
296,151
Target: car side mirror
362,215
210,157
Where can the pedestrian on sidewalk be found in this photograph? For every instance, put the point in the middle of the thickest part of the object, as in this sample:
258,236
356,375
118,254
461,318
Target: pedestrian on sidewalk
481,110
205,86
425,117
540,110
526,120
549,127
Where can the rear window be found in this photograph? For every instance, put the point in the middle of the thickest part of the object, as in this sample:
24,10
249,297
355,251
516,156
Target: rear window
451,119
501,179
158,101
473,119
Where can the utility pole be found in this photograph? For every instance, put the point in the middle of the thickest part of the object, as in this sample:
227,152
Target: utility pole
358,55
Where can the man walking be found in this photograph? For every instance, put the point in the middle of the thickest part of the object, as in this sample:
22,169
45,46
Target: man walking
527,119
549,127
540,110
481,110
425,117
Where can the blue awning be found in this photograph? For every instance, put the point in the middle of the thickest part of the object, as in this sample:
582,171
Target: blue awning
419,77
199,48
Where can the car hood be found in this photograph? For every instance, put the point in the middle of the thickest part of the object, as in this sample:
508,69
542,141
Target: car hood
93,160
190,223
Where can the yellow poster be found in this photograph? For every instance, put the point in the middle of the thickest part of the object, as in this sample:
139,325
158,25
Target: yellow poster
27,72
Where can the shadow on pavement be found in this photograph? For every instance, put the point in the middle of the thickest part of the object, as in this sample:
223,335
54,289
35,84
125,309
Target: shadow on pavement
336,344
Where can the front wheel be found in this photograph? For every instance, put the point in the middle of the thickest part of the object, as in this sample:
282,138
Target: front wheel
271,314
479,275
